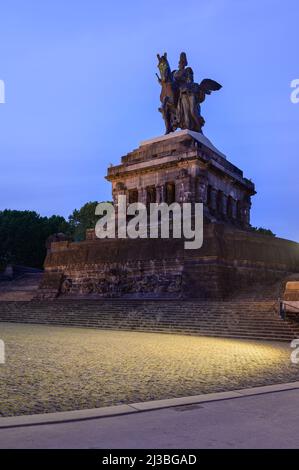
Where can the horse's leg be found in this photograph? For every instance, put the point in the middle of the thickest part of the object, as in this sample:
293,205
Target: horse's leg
166,115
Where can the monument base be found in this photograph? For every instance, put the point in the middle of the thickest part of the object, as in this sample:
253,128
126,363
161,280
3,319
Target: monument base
181,167
229,262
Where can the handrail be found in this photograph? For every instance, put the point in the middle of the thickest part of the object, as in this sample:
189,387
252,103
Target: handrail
282,308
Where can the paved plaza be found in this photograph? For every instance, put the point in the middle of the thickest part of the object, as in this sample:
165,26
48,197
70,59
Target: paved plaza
51,369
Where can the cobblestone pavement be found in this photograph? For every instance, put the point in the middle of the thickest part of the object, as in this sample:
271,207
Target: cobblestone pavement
52,369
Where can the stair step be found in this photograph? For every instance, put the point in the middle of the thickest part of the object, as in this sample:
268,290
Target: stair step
231,319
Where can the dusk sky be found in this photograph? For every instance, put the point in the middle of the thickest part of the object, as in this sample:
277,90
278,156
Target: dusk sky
81,92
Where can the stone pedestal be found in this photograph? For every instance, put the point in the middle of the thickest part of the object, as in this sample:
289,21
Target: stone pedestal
181,167
185,166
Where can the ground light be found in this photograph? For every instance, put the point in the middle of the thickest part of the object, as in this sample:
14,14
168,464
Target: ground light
52,369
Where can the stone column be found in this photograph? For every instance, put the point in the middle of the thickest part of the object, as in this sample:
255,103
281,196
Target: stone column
246,213
213,199
159,194
179,191
142,195
120,190
201,195
126,193
183,187
234,209
162,193
193,183
224,205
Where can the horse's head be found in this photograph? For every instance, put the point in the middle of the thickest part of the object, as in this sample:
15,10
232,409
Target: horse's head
164,68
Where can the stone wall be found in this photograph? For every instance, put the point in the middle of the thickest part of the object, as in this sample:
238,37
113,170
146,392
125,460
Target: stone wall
229,260
117,268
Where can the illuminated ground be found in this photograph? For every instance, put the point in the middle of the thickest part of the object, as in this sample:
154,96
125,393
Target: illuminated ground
56,369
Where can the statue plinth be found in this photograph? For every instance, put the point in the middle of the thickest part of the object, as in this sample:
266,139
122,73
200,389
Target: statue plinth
199,137
184,166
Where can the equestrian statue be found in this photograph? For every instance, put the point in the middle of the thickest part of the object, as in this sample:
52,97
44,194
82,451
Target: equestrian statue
180,96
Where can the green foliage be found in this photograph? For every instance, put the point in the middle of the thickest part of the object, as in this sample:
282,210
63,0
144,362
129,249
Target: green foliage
23,235
57,224
264,231
82,219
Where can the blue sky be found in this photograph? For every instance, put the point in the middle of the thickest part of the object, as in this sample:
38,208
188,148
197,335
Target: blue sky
81,92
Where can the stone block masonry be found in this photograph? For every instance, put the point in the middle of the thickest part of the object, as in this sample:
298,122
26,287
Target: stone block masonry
182,167
229,261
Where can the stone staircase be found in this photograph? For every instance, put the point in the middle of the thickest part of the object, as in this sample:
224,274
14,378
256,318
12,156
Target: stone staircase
232,319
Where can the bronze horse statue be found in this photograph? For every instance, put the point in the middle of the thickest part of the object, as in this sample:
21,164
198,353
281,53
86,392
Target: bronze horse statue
169,94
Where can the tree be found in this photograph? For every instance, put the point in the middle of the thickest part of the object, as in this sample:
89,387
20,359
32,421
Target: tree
82,219
57,224
23,236
264,231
